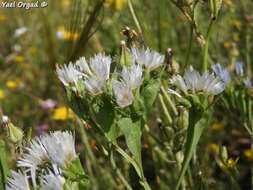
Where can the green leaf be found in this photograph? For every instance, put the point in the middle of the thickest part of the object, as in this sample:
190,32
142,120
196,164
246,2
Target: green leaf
194,132
132,132
75,173
149,94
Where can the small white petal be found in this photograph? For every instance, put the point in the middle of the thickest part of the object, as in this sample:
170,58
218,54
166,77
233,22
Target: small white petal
148,58
100,66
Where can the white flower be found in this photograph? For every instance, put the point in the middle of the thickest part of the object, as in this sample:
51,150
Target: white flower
60,147
239,68
132,76
83,66
36,155
94,85
194,82
17,181
221,72
123,93
52,181
148,58
68,74
20,31
100,65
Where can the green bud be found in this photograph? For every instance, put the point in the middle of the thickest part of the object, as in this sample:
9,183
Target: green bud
183,120
15,133
224,154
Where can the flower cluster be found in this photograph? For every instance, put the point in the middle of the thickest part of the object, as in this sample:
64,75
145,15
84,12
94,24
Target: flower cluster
43,161
93,75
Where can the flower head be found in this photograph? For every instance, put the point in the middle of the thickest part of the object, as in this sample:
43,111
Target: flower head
247,82
221,72
148,58
17,181
68,74
60,147
132,76
100,65
194,82
35,156
52,181
123,93
239,68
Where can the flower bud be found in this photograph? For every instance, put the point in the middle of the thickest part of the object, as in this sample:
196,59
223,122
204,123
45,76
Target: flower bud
224,154
15,133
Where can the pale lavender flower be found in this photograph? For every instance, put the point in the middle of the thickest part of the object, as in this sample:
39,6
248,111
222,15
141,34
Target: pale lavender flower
132,75
247,82
222,72
17,181
147,57
194,82
48,104
123,93
68,74
239,68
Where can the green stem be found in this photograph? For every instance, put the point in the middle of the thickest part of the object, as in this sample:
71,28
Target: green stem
205,57
118,172
130,5
3,165
193,135
189,48
165,110
137,167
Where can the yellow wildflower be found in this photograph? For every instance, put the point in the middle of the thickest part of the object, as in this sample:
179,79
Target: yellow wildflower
116,4
214,148
63,34
227,2
63,113
231,163
237,24
217,126
3,18
236,37
248,153
19,59
12,84
65,3
2,94
227,44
